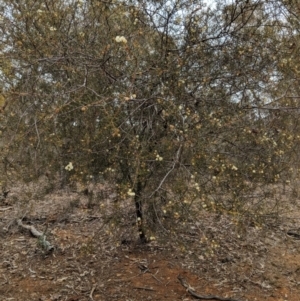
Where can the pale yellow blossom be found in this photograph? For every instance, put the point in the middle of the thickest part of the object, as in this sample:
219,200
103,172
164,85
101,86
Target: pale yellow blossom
130,192
69,167
121,39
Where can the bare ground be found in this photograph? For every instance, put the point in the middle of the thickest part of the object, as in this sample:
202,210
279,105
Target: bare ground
93,260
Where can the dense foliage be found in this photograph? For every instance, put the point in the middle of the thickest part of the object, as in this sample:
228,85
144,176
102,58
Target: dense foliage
179,104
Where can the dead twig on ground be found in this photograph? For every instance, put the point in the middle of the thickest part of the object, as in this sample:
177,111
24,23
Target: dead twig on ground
41,236
191,290
144,288
92,291
5,209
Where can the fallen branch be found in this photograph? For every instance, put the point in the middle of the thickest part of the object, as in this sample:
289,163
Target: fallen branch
6,208
293,233
41,237
92,291
144,288
204,297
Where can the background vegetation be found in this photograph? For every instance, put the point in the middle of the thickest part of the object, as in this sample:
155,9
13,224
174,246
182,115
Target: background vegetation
179,105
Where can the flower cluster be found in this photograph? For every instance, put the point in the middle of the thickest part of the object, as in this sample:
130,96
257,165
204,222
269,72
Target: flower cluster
194,184
69,167
158,158
130,192
197,187
121,39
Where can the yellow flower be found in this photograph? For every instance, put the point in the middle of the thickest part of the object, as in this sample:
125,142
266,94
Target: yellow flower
121,39
69,167
130,192
158,158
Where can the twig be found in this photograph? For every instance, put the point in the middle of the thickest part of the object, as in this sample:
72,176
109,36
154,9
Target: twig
92,291
144,288
204,297
42,238
155,277
6,208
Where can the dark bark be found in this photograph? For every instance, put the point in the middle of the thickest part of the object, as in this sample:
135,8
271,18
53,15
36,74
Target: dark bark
139,212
